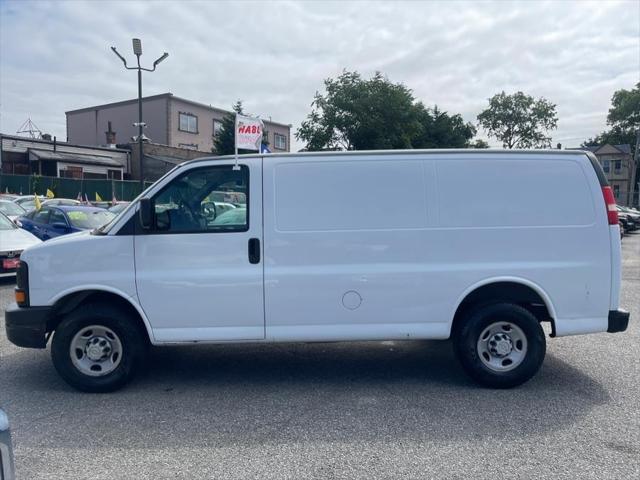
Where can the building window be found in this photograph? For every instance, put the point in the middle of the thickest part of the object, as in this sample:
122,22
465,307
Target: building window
217,127
280,141
188,123
606,166
616,191
617,165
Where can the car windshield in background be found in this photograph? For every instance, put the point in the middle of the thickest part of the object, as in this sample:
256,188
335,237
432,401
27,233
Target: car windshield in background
89,219
118,208
28,205
5,223
11,208
237,216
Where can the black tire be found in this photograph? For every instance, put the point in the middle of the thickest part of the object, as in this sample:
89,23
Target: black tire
132,341
474,323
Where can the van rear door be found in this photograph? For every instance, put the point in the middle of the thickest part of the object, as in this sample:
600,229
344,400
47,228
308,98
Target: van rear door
199,269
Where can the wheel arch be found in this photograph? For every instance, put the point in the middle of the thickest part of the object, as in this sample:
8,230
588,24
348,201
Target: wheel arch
68,301
506,289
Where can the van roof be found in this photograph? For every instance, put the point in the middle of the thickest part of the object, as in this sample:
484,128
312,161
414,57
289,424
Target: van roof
355,153
450,151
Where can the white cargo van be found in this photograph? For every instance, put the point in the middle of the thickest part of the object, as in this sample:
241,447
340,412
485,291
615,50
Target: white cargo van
477,246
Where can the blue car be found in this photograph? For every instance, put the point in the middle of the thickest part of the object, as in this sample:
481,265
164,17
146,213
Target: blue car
51,222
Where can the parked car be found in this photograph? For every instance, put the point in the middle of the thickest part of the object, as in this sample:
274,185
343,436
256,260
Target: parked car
60,201
630,221
480,252
8,196
28,202
11,209
50,222
632,213
118,207
13,241
7,471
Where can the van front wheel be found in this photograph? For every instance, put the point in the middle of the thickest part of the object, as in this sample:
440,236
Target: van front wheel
500,345
97,348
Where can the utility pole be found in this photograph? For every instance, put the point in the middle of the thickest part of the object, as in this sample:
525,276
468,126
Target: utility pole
137,51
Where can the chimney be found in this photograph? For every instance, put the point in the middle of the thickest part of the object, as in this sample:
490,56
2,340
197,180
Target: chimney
111,136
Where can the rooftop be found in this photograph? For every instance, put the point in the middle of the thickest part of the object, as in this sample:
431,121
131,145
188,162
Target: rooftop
624,148
165,95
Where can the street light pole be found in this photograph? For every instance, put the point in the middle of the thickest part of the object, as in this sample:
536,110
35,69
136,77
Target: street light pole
137,51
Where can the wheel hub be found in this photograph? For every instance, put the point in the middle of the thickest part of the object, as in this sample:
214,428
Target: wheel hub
500,345
98,348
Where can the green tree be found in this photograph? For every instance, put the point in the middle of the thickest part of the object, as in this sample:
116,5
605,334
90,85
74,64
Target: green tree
519,120
438,129
373,114
225,142
623,118
357,114
479,143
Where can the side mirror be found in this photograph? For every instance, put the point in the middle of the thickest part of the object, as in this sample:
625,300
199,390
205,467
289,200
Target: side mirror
146,212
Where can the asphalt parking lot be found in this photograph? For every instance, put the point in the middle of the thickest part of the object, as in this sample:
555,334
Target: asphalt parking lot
355,410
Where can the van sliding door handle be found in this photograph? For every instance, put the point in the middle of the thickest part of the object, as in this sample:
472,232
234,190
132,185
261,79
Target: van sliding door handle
254,250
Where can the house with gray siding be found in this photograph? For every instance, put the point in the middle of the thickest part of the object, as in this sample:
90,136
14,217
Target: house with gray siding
619,168
171,120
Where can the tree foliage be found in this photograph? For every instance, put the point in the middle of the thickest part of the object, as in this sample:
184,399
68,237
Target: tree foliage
373,114
519,120
479,143
623,118
441,130
224,142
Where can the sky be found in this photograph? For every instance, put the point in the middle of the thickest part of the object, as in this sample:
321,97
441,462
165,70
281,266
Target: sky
274,56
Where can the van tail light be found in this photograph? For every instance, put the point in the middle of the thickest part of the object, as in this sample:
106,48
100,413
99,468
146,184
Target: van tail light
610,202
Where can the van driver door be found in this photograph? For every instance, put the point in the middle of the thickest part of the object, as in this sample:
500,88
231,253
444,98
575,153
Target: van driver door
199,272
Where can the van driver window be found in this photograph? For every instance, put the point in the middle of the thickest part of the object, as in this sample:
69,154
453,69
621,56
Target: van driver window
208,199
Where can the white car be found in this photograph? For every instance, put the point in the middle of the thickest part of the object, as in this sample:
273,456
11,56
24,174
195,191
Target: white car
13,241
11,209
481,247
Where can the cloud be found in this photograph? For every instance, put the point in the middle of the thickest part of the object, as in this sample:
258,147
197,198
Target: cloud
54,56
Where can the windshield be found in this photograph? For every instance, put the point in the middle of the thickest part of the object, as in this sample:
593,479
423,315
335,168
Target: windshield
28,205
118,208
89,219
10,208
5,223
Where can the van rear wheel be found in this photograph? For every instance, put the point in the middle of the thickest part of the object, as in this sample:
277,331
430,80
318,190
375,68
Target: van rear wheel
500,345
97,348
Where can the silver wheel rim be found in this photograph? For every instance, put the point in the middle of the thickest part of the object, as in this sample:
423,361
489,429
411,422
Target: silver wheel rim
502,346
96,350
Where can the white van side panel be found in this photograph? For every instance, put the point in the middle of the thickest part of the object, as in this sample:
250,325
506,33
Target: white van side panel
345,252
385,245
541,218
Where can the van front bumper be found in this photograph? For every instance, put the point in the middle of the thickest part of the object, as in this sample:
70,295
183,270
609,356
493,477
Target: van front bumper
618,321
27,327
